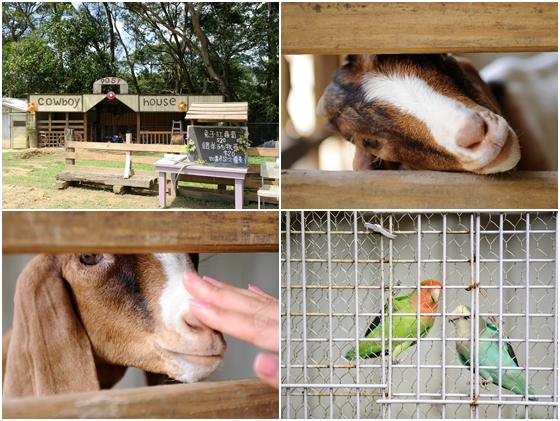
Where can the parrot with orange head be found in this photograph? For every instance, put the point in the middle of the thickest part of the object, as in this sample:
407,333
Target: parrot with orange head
405,328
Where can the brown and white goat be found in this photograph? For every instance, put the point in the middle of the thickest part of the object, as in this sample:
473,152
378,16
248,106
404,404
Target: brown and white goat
429,112
80,320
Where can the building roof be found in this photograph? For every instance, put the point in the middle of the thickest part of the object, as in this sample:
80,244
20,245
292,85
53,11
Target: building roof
18,104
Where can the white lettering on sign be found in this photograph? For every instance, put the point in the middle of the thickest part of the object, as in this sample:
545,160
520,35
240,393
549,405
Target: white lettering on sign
60,101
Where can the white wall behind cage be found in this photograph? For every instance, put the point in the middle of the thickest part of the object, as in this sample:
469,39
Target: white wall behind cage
337,275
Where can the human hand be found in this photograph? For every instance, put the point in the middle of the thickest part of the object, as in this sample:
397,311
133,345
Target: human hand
251,315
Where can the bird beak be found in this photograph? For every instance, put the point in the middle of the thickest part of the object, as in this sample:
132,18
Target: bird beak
435,295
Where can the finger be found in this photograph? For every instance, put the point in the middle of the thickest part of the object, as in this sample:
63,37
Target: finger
256,329
231,298
266,368
259,291
252,288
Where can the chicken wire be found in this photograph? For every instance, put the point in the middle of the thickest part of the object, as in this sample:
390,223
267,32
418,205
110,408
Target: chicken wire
337,275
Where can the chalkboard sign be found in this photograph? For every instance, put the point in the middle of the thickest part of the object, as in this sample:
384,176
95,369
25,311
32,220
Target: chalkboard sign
218,145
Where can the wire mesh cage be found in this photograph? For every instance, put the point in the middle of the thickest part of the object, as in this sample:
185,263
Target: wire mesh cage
341,271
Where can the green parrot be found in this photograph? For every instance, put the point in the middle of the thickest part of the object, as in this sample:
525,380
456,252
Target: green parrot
403,326
488,352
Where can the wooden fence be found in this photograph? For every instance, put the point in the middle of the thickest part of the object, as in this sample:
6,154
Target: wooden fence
117,152
133,232
377,28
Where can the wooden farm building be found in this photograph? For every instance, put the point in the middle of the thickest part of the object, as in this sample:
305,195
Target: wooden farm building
102,117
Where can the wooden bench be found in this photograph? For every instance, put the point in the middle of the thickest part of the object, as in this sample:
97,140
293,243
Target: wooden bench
114,176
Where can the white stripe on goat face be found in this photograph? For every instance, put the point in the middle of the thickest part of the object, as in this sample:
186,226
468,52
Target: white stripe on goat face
474,136
443,116
174,300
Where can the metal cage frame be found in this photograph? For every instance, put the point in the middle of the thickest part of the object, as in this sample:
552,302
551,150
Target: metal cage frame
327,302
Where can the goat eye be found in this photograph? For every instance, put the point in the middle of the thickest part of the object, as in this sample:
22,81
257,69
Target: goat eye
372,144
90,259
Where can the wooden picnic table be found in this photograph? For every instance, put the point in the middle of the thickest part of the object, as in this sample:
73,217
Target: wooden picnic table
175,167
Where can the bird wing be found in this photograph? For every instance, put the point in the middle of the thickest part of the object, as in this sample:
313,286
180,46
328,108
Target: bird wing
397,305
494,333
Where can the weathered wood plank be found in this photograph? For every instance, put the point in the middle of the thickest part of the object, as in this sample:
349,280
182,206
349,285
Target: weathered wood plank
247,398
273,152
106,170
391,28
93,156
108,179
418,190
139,232
127,147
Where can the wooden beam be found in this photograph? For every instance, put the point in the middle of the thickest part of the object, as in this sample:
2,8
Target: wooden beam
391,28
127,147
247,398
139,232
303,189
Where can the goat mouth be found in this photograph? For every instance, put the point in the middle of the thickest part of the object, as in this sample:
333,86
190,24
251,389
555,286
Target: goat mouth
196,358
506,159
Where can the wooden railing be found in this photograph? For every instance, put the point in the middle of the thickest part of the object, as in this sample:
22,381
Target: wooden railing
121,232
117,152
414,28
155,138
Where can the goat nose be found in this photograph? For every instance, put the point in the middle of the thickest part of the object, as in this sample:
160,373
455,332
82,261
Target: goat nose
195,325
471,132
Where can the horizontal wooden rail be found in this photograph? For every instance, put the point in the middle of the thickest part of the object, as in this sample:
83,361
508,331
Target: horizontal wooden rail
114,152
247,398
133,147
391,28
418,190
139,232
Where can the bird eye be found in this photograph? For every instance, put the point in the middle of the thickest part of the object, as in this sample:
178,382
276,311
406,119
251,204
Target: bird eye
466,317
90,259
372,144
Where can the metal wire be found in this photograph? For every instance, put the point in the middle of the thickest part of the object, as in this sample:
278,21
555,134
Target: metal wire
338,275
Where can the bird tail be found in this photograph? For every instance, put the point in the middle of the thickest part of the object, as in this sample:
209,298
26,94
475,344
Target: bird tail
532,392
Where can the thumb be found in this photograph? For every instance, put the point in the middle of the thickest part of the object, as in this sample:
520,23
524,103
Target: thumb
266,367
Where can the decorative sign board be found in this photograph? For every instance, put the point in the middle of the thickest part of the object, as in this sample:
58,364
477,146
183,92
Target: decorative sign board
218,144
72,103
163,103
111,80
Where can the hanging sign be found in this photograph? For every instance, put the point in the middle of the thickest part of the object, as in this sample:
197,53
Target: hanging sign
111,80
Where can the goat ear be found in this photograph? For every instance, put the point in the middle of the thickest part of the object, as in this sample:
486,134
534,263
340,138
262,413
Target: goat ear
49,351
359,62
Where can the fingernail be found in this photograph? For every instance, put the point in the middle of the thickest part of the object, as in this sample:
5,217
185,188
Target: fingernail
266,365
193,278
212,281
256,289
198,303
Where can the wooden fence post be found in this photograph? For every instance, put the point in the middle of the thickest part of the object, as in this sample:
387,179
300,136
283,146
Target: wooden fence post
69,137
